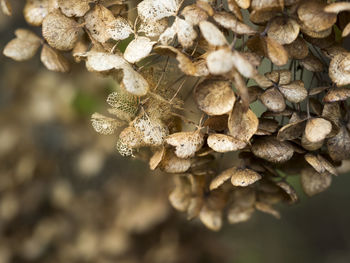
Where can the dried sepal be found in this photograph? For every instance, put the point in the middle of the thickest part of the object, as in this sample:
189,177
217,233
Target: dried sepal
244,177
283,30
194,14
272,150
337,7
313,16
53,60
138,49
229,21
211,218
282,76
337,94
289,190
186,143
267,126
220,61
339,69
291,130
294,92
275,52
221,178
320,164
268,209
212,34
273,100
180,196
243,65
298,49
313,182
224,143
6,7
156,158
105,125
317,129
60,31
242,123
312,63
23,47
76,8
215,97
339,145
157,9
173,164
153,28
103,26
36,10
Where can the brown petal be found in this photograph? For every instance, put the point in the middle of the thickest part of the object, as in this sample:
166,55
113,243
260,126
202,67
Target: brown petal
298,49
185,32
229,21
224,143
173,164
272,150
337,7
311,13
314,183
181,195
222,178
294,92
215,97
220,61
76,8
242,124
194,14
320,164
268,126
312,63
217,123
24,46
276,52
337,94
289,190
53,60
291,131
339,69
283,30
186,143
339,145
282,76
244,177
6,7
317,129
273,100
157,9
212,34
60,31
138,49
36,10
156,158
268,209
105,125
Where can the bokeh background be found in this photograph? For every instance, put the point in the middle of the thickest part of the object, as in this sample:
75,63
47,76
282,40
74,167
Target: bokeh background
67,196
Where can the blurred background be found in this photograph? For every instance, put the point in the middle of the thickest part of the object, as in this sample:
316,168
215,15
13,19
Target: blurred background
67,196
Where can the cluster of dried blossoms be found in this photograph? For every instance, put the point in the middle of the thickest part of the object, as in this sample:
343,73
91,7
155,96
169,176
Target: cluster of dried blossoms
212,49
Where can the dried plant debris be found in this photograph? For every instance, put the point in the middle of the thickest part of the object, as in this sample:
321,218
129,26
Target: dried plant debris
189,76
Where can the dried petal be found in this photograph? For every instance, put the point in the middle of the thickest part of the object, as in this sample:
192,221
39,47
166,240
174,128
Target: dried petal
6,7
314,183
53,60
337,7
339,145
282,76
224,143
283,30
153,28
138,49
173,164
229,21
193,14
312,14
60,31
157,9
186,143
294,92
317,129
320,164
339,69
24,46
276,52
272,150
273,100
105,125
291,131
244,177
212,34
76,8
312,63
156,158
242,124
298,49
220,61
215,97
337,94
36,10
